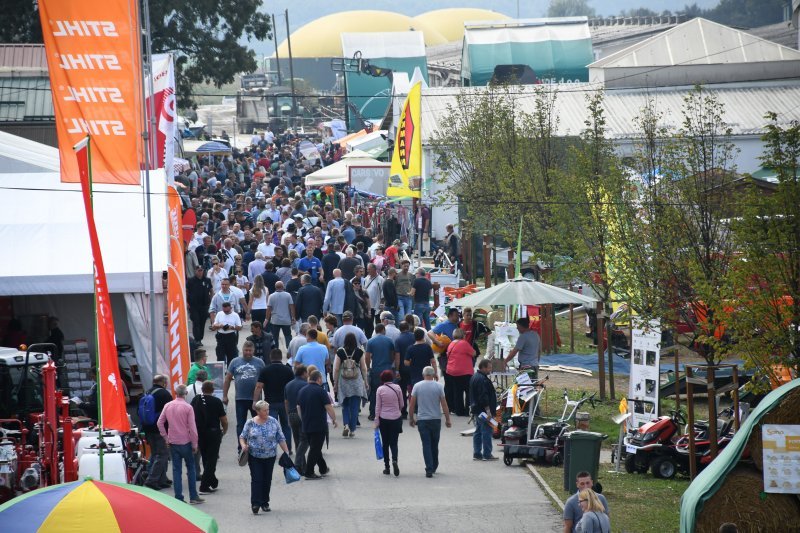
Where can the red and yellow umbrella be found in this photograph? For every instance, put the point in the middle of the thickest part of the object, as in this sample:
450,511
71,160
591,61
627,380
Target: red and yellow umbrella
91,505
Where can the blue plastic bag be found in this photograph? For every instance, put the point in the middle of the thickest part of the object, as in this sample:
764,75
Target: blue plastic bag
291,475
378,445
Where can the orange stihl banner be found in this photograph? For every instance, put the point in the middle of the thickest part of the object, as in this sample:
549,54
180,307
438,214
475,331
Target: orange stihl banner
94,59
176,295
111,394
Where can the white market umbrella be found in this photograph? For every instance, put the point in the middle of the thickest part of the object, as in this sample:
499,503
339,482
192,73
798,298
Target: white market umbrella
339,172
522,291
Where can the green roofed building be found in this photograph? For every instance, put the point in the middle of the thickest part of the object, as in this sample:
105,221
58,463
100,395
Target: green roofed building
526,51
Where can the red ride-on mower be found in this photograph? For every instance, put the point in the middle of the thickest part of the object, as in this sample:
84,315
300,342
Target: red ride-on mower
639,445
668,460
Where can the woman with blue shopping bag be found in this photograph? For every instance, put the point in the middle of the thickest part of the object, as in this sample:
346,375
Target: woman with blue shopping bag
260,439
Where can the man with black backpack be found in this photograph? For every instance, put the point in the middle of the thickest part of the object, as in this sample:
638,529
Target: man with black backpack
150,407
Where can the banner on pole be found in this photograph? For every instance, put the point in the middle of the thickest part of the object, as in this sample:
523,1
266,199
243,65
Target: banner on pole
94,61
110,394
178,329
405,177
162,151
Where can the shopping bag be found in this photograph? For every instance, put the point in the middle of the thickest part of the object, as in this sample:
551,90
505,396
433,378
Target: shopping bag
291,475
378,445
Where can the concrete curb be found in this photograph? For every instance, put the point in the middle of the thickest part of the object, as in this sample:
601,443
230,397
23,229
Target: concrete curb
544,485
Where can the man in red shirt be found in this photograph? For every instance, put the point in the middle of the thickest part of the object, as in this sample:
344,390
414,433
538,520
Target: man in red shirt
391,253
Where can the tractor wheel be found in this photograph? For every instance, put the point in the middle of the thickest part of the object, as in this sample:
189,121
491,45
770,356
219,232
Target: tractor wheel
663,467
630,464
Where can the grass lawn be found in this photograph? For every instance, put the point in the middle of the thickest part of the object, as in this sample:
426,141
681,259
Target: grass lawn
639,503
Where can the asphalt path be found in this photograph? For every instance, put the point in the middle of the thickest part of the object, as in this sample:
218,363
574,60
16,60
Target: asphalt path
464,495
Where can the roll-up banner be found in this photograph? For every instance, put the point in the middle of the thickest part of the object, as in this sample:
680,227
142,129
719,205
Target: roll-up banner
178,327
94,59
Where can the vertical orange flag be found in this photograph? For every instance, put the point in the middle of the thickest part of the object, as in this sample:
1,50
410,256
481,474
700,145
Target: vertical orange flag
110,395
179,357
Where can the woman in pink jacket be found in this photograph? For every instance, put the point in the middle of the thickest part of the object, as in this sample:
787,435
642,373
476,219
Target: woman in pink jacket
388,418
460,366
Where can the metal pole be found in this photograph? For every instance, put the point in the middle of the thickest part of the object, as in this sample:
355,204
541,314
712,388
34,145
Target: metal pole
571,328
146,135
487,260
277,58
291,66
600,353
610,334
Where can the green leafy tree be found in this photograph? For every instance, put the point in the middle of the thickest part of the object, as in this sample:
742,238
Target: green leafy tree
590,194
499,162
570,8
700,167
765,317
204,36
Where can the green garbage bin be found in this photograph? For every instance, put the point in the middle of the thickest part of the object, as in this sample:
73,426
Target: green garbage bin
581,452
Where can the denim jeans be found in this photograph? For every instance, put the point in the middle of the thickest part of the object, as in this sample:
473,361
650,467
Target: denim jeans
374,383
423,311
350,407
406,307
243,409
182,453
482,438
429,431
278,412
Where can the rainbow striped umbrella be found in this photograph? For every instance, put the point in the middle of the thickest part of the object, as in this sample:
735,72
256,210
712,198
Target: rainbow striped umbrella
91,505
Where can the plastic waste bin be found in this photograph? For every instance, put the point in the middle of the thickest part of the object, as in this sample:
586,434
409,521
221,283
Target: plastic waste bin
581,452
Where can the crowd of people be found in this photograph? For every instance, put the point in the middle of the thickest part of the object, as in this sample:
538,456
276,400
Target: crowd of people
355,321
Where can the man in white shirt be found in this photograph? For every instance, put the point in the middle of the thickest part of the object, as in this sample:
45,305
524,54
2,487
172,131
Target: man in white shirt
269,136
216,274
225,296
199,235
226,324
228,254
267,248
373,284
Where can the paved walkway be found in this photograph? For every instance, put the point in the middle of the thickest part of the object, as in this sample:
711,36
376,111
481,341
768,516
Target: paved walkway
464,495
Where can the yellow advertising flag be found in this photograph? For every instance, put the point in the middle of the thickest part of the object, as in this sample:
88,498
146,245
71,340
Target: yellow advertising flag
405,178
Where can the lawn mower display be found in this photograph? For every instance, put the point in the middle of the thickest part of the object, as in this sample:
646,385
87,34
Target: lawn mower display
548,441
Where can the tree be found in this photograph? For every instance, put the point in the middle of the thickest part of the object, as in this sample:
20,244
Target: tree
499,162
698,175
765,317
589,195
204,36
570,8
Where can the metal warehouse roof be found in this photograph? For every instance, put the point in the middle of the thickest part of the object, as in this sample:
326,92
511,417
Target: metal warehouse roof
19,57
745,106
698,42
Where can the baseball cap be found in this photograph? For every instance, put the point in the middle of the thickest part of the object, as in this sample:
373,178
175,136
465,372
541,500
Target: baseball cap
387,315
347,314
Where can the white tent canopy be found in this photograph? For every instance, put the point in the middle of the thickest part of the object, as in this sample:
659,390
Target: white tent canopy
339,172
49,269
44,220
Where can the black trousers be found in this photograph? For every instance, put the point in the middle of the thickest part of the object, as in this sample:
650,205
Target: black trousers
301,442
198,318
390,432
405,383
460,386
260,479
226,347
209,451
315,442
449,391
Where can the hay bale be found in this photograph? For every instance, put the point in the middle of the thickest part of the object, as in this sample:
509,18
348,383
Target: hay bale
739,501
786,412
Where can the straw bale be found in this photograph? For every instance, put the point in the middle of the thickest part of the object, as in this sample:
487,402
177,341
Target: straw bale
786,412
739,501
